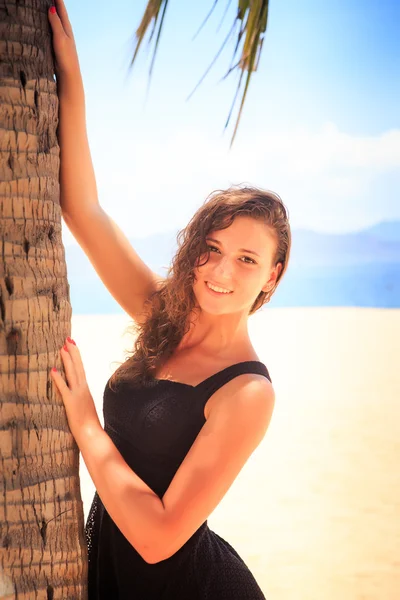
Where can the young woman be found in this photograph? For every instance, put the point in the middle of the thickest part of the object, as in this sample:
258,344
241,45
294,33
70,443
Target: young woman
184,413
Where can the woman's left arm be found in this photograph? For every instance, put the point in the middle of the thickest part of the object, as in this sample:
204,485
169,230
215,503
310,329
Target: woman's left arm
136,510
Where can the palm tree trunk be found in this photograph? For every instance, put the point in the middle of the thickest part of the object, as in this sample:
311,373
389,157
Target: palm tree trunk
43,552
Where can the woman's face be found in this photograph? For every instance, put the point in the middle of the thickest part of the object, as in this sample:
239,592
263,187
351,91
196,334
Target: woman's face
241,261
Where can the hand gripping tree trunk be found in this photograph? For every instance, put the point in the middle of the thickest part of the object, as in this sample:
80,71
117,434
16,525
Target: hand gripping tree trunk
43,551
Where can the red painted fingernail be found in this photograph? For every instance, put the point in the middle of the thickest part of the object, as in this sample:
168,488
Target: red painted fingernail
54,369
53,10
65,347
71,341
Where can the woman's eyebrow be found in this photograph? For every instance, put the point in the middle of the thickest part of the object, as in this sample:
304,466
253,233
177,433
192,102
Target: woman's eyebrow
240,249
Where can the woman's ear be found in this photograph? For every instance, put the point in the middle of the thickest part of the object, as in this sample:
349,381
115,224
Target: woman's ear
273,277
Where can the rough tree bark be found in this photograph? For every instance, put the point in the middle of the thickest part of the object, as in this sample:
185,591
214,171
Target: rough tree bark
43,551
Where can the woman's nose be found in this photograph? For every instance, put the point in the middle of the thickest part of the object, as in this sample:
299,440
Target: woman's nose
224,268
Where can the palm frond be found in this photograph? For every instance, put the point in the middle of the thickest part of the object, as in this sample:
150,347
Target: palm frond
213,61
252,18
151,13
210,12
224,15
253,15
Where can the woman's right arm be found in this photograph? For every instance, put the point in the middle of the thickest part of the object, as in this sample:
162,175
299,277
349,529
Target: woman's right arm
129,280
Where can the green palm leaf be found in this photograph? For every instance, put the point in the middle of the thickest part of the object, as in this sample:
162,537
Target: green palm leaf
151,13
251,21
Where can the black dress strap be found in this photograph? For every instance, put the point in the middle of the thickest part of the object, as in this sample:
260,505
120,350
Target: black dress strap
210,385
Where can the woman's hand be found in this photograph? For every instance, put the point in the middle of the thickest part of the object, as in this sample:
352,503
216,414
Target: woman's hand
78,401
66,56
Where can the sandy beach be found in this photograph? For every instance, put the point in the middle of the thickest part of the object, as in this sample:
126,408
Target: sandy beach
315,512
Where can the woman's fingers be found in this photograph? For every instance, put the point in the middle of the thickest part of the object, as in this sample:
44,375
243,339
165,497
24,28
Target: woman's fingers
56,24
62,386
63,15
70,370
75,356
73,366
66,63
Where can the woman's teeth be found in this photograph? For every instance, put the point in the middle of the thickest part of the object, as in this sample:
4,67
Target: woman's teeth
217,289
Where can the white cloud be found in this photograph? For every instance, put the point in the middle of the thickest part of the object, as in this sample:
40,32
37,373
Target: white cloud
325,177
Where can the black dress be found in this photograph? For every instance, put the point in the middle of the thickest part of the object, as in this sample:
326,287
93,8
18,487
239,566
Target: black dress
154,428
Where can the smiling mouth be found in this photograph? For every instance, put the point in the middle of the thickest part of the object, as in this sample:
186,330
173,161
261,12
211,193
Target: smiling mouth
217,292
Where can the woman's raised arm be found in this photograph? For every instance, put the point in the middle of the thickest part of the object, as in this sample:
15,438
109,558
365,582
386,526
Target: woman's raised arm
129,280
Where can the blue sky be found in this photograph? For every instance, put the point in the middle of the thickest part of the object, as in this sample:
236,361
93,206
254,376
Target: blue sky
320,126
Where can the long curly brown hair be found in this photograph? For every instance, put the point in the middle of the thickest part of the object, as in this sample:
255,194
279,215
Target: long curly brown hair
169,308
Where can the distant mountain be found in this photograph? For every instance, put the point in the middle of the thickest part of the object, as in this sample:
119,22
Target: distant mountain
387,231
353,269
378,244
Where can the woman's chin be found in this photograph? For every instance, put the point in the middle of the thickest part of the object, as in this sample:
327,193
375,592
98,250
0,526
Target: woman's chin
213,303
211,307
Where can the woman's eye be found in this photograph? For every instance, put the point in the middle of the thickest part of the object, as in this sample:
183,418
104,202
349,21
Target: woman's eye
246,257
250,259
